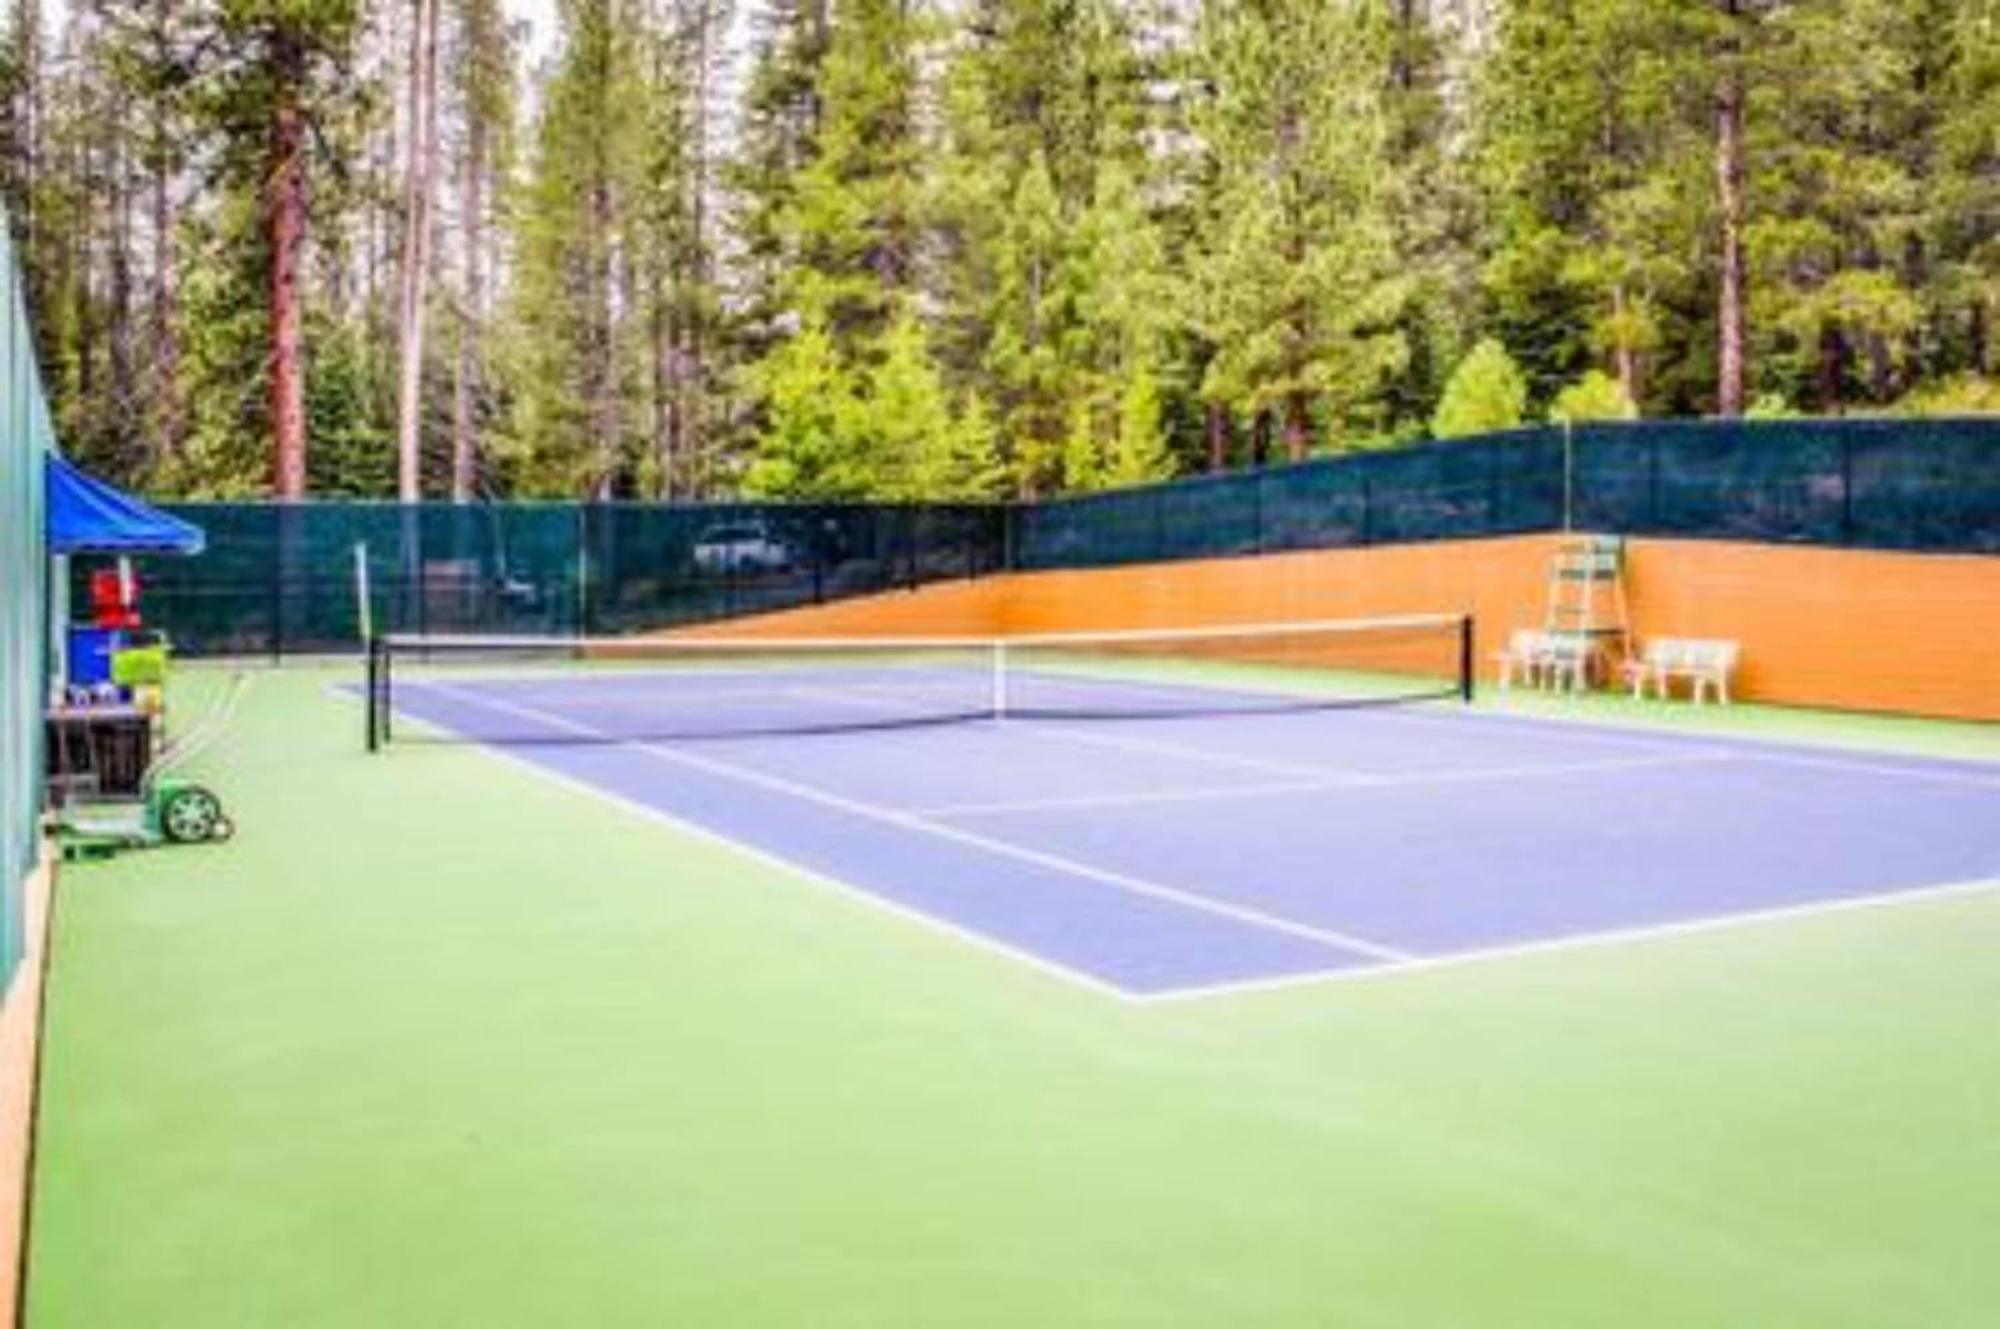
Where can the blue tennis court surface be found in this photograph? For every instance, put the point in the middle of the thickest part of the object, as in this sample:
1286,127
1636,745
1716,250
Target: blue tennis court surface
1172,857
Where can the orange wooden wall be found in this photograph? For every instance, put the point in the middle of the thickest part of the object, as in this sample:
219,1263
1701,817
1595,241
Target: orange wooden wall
1492,579
1848,629
942,609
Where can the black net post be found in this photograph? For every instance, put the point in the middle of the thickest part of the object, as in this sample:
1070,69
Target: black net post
387,681
373,698
1468,659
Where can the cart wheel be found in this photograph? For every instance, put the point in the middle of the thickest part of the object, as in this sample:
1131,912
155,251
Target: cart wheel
192,815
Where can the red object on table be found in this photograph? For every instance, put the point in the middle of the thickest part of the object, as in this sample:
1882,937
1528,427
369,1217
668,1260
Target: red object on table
109,605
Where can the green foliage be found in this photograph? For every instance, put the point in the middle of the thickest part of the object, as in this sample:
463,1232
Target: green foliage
1139,454
968,468
1300,292
1595,396
1487,392
347,415
810,414
853,222
1966,394
1772,406
226,453
888,431
903,424
1000,246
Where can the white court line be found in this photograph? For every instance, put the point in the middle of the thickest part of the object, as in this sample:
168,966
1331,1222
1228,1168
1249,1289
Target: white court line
1551,770
1605,729
968,839
848,890
1083,802
1876,768
1486,775
1413,964
1583,941
1161,747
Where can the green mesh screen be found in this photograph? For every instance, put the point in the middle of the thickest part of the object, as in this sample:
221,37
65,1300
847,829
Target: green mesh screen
1881,484
24,439
282,581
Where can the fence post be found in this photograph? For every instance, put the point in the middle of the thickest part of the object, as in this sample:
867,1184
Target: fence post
414,523
1491,526
581,571
1569,477
1653,471
277,642
1847,489
280,563
373,648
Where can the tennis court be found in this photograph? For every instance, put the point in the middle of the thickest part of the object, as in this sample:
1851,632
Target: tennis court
1175,814
516,1024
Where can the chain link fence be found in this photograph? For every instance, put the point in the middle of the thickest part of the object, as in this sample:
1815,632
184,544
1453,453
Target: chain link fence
1931,485
281,580
284,580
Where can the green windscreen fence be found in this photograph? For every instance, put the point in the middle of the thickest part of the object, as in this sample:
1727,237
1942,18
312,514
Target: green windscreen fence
285,580
1873,484
281,580
24,440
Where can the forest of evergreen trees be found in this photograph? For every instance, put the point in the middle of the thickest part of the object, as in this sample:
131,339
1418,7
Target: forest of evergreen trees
976,248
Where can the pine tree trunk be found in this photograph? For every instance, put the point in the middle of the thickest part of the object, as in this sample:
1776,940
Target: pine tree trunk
124,388
1298,426
1218,438
818,17
168,422
1832,371
472,316
666,406
1260,440
1881,368
421,165
76,278
28,61
692,362
597,312
1626,355
285,221
1731,367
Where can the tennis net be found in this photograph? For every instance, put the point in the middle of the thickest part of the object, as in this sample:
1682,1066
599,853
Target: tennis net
510,690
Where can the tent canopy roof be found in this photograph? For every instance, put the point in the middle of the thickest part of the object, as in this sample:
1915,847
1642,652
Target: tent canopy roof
88,516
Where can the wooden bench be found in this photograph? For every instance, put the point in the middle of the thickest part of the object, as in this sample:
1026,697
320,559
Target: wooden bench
1706,665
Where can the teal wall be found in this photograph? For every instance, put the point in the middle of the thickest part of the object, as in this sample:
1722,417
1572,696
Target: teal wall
25,437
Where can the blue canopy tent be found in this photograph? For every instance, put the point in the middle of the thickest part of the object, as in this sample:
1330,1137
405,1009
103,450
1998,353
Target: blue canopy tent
88,516
84,515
